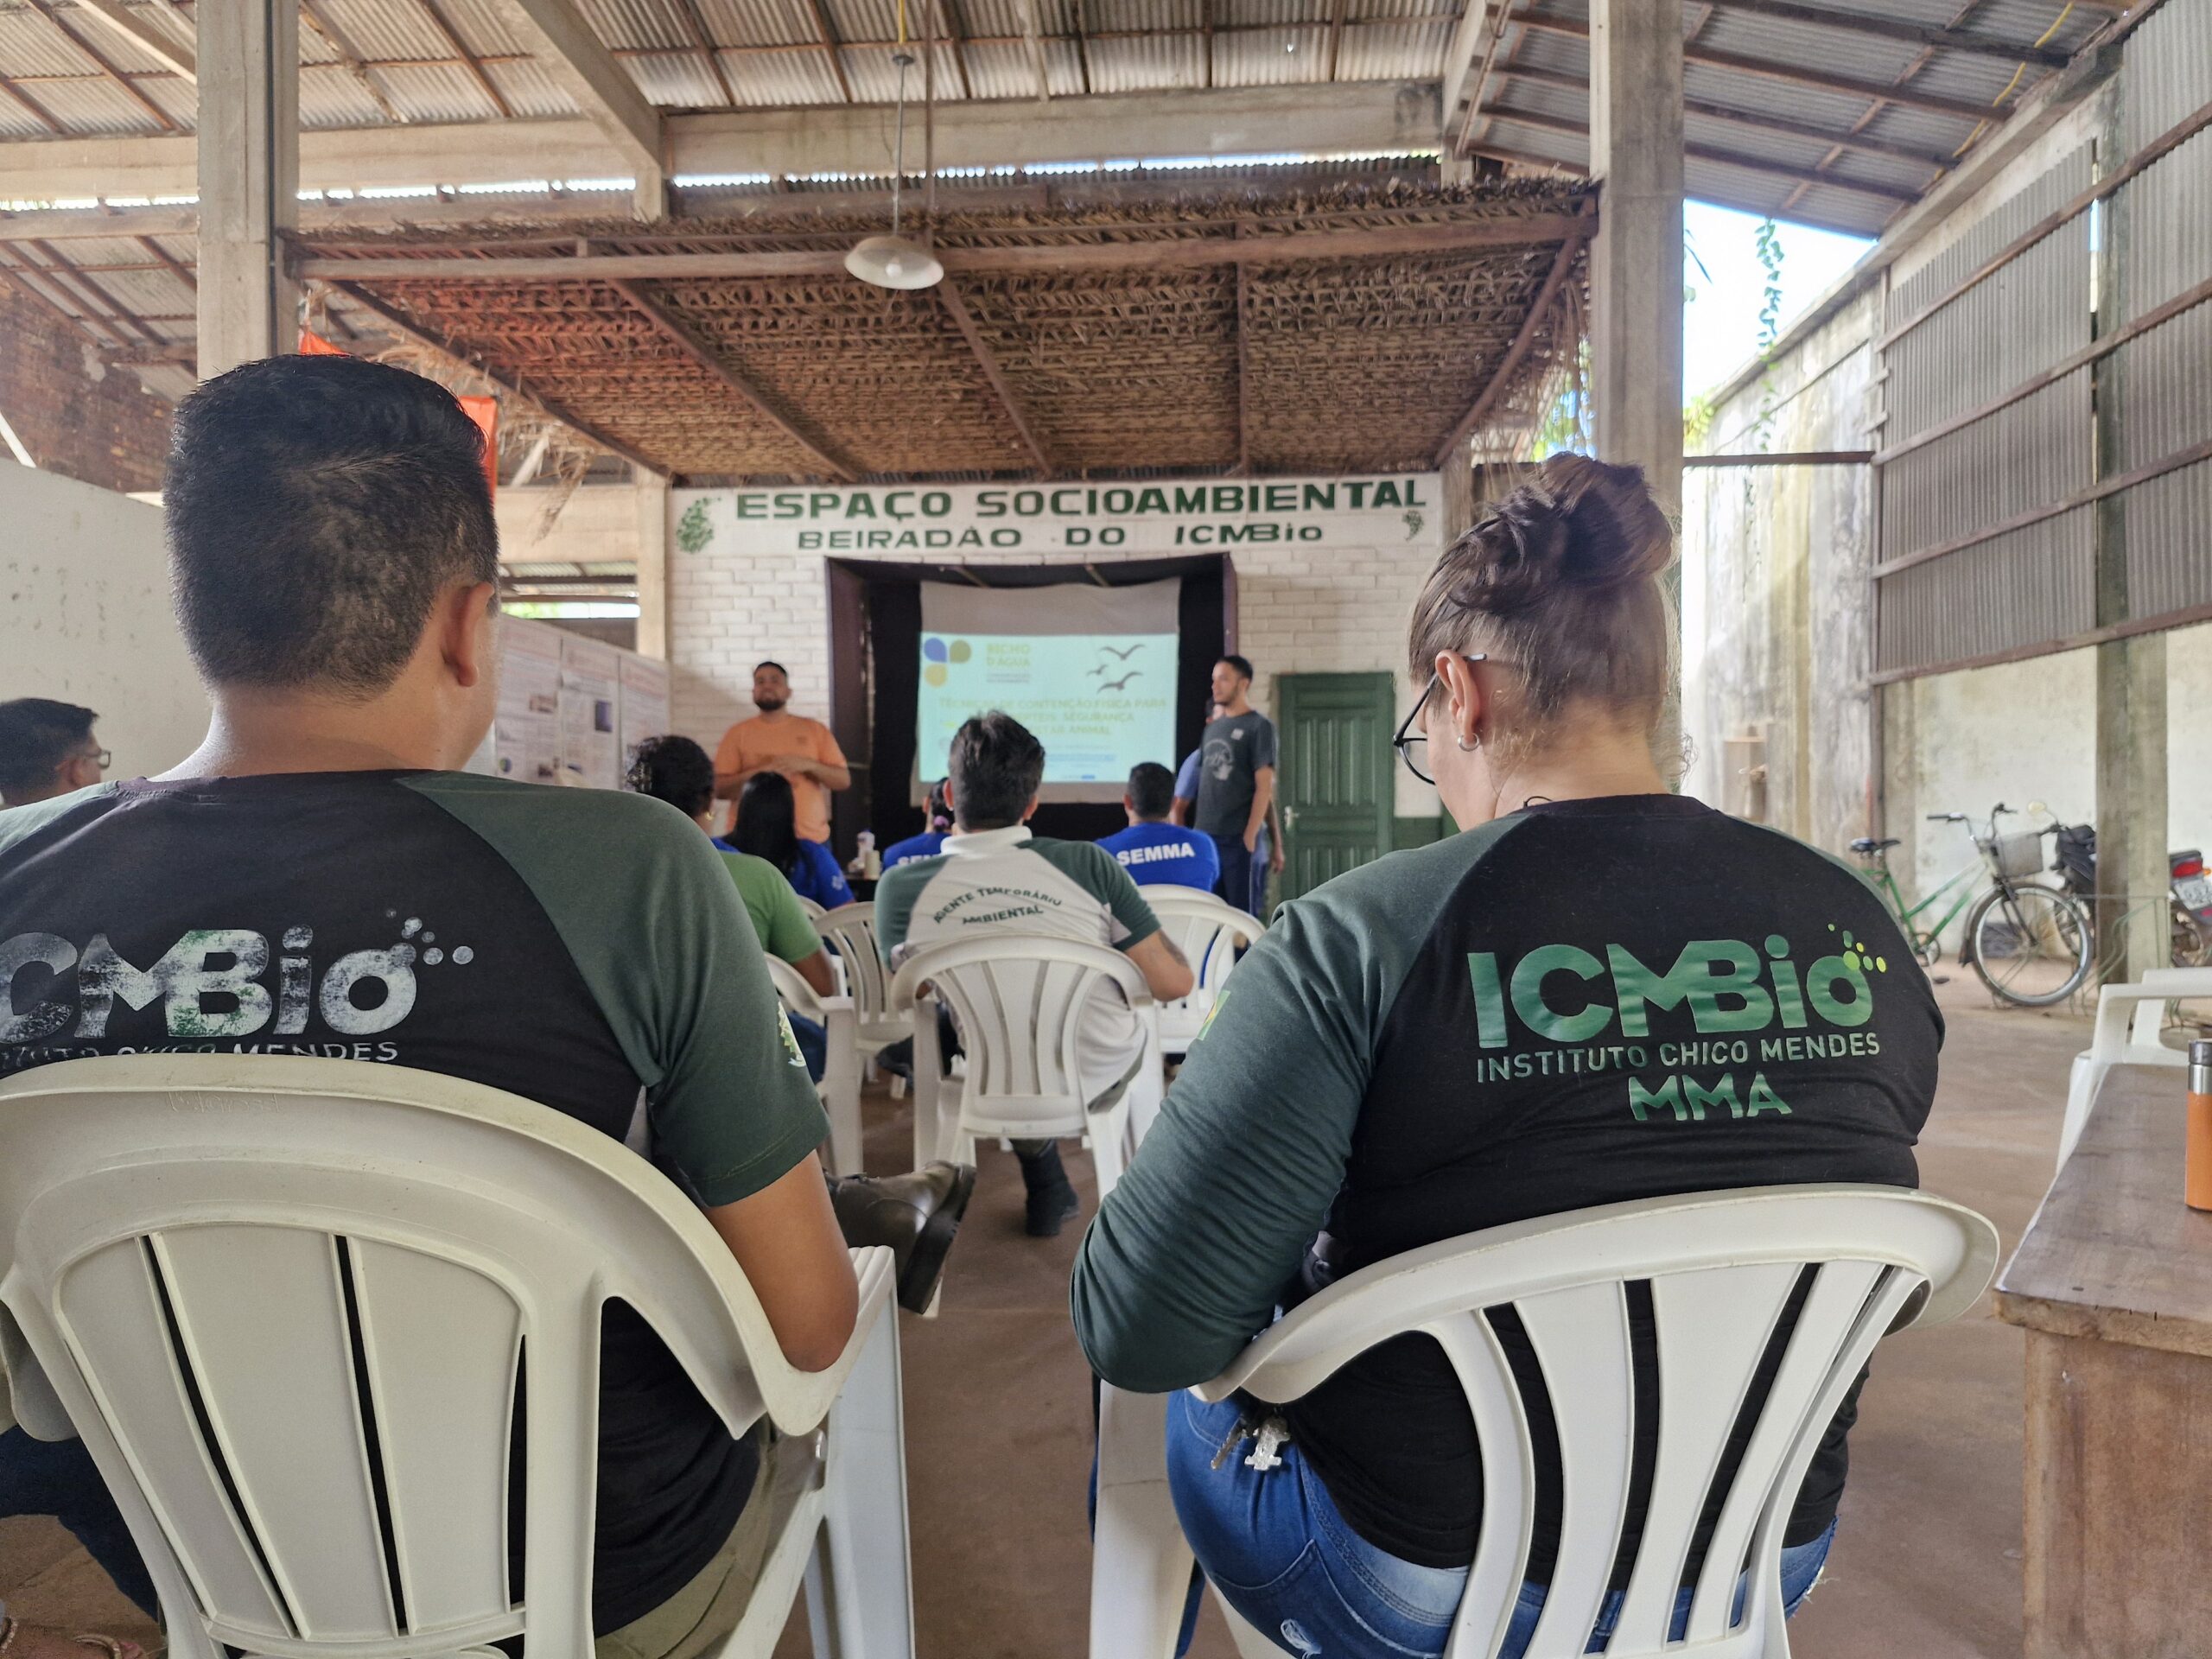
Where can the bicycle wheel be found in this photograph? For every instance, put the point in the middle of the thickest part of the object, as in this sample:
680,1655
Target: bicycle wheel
2031,945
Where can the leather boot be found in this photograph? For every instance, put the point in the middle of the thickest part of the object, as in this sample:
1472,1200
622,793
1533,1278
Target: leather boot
915,1214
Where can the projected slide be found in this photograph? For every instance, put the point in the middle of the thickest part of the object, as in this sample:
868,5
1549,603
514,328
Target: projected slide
1101,698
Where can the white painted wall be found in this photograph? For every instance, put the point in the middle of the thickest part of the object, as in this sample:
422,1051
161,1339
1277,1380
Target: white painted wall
2026,731
87,619
596,524
1302,609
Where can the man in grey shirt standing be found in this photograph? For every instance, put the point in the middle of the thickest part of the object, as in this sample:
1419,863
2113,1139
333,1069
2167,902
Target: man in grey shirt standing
1236,784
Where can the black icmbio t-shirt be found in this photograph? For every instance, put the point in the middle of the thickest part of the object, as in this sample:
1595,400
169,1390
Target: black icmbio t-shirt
1586,1003
576,947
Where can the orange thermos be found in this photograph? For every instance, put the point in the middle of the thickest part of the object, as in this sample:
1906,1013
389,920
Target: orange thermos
2199,1179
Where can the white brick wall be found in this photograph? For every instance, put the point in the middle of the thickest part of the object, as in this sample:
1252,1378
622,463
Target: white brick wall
1302,607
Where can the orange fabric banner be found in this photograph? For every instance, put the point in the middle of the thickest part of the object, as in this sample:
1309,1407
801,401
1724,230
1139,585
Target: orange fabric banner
313,345
485,411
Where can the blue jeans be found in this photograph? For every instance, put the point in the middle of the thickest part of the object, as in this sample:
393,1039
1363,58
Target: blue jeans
813,1044
1280,1552
1244,881
58,1477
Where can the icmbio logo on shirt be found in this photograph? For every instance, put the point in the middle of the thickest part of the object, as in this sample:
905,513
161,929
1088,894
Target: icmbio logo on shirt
1747,1005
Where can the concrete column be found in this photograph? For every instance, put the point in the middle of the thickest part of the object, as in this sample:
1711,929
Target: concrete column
653,508
2133,932
249,152
1636,262
1635,270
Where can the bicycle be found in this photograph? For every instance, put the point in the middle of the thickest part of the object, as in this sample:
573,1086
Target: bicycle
2031,944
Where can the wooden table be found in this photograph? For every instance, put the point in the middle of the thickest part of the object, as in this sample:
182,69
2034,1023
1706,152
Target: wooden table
2113,1282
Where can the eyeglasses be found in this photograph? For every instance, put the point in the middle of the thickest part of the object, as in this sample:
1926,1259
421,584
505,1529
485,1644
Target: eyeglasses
1412,745
102,758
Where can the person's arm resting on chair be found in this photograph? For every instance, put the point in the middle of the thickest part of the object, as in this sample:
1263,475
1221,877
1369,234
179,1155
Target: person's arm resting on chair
1193,1249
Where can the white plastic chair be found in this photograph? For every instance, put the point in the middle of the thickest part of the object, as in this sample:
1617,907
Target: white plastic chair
1721,1267
1209,931
1018,1000
2129,1019
851,929
840,1087
813,910
283,1300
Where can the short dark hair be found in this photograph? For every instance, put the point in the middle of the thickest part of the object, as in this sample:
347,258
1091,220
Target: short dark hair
997,763
1242,664
1152,788
673,768
316,507
773,663
36,734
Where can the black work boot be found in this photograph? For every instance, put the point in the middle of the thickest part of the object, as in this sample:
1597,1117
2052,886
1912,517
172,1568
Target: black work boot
1052,1201
915,1214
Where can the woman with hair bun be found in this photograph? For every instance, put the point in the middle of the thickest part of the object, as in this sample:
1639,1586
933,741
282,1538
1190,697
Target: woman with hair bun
1598,991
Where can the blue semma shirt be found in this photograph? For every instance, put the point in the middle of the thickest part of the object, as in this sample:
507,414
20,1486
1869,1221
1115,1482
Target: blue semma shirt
1158,854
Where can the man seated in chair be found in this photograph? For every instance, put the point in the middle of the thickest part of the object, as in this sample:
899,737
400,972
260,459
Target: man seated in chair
1599,991
320,879
993,876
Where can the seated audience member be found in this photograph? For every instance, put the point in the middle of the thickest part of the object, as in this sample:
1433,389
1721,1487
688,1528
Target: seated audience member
1154,851
931,841
764,828
675,769
1064,889
46,748
1401,1062
336,566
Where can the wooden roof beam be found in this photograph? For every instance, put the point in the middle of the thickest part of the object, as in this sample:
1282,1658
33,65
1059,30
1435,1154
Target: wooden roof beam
1932,36
106,66
1524,340
831,45
679,334
128,23
39,112
956,306
1032,39
1751,121
468,59
1176,253
349,59
686,13
1796,74
423,335
1805,176
572,54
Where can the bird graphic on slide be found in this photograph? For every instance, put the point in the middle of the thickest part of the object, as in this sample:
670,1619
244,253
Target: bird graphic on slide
1124,655
1116,685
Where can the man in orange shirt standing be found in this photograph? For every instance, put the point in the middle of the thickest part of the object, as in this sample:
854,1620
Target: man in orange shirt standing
775,739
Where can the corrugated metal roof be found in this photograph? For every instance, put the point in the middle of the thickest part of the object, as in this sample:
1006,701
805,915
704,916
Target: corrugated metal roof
770,54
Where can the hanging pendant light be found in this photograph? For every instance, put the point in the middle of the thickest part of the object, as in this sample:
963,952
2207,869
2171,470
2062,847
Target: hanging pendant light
897,261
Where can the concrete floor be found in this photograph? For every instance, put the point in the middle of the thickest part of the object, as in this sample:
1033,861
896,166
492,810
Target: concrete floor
1927,1563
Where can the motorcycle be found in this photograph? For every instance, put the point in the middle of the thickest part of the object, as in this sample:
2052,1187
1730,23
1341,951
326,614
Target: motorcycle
2188,891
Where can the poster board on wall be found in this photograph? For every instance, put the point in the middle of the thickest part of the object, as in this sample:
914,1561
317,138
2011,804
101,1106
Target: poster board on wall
571,709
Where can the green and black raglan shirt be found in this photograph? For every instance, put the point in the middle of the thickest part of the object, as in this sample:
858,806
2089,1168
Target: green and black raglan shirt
575,947
1009,881
1586,1003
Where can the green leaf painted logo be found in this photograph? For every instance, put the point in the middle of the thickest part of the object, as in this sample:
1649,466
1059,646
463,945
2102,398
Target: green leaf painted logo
694,530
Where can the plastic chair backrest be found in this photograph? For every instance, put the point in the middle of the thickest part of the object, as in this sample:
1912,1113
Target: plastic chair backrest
794,993
286,1301
1720,1268
1209,932
2129,1018
1018,1000
810,908
851,929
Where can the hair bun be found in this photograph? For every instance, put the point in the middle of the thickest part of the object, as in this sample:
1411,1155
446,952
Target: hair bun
1579,523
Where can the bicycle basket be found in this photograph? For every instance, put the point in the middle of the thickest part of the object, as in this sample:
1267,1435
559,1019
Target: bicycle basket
2018,856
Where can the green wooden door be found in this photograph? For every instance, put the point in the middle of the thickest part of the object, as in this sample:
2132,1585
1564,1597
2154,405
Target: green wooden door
1334,782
